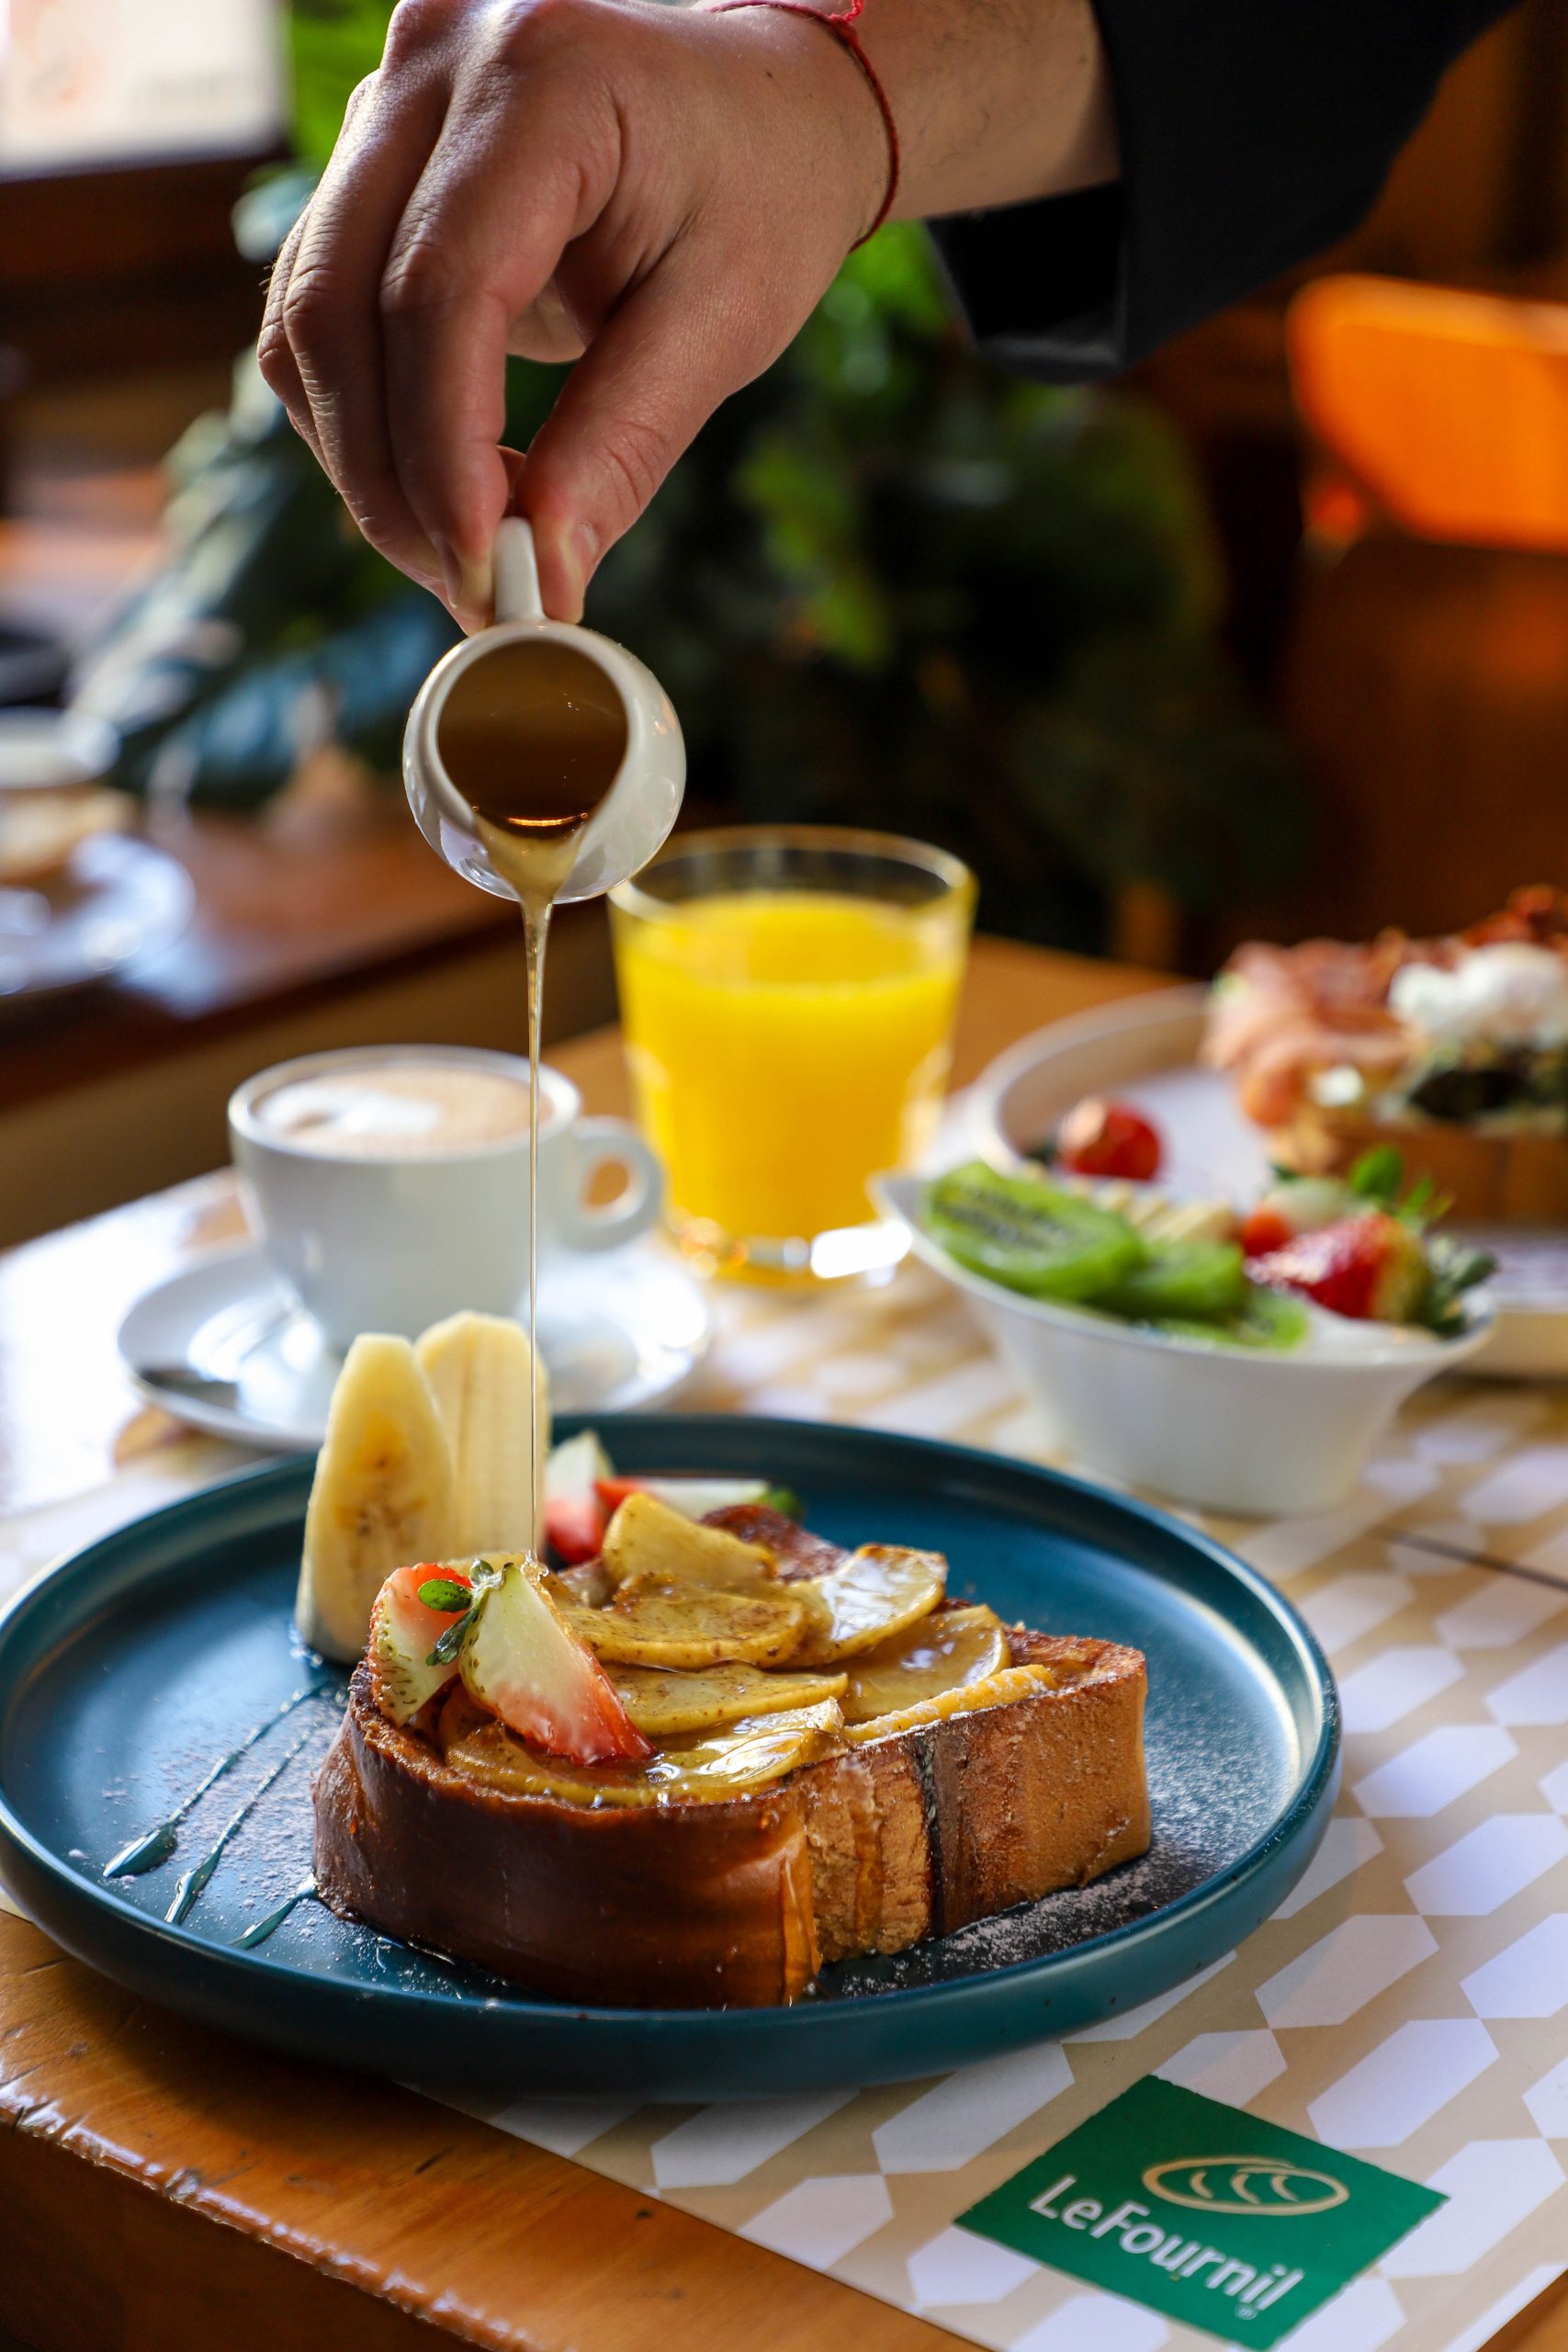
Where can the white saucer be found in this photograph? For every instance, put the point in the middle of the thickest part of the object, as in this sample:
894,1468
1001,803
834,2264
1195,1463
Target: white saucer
223,1345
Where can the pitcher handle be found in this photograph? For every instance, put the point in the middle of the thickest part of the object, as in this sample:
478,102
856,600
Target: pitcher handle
517,596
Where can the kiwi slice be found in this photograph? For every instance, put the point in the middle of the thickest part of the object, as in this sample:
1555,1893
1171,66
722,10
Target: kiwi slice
1264,1318
1202,1280
1028,1235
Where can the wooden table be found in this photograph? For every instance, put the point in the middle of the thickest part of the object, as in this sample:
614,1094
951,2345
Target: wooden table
176,2186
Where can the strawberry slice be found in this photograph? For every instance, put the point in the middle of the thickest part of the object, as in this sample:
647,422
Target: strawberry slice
693,1496
575,1515
574,1527
523,1663
404,1632
1371,1268
1266,1227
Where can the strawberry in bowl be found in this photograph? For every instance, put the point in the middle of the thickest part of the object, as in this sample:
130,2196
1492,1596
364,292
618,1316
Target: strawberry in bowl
1360,1248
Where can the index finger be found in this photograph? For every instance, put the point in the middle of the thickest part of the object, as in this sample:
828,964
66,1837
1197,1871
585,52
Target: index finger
479,242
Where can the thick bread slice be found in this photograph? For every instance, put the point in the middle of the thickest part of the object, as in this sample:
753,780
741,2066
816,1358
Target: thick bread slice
737,1903
919,1832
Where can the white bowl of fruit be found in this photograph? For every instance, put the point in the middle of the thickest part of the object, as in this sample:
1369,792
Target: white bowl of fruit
1244,1363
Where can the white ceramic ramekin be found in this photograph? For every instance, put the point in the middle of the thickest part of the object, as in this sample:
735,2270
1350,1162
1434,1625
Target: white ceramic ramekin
1236,1430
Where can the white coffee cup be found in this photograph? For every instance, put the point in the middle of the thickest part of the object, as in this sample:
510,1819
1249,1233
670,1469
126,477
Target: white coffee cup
391,1235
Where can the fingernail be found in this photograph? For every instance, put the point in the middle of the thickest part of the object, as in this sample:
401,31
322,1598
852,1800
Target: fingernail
451,569
469,589
582,554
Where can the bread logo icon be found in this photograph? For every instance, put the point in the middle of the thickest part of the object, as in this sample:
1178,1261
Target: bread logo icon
1259,2185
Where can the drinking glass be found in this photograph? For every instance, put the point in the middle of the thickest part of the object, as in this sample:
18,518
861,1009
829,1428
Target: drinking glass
787,997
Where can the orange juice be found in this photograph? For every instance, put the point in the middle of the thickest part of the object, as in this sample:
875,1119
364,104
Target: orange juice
786,1045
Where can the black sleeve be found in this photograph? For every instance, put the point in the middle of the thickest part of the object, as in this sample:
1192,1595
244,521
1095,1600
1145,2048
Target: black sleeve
1253,133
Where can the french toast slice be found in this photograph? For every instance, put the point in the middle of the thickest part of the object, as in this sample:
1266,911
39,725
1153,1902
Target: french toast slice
907,1827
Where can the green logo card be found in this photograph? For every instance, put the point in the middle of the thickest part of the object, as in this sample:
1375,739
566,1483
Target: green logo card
1198,2211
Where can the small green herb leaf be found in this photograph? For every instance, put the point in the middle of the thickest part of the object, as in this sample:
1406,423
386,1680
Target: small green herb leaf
451,1641
446,1592
1455,1268
784,1500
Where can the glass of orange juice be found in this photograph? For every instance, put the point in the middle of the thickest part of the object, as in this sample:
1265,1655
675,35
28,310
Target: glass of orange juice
787,998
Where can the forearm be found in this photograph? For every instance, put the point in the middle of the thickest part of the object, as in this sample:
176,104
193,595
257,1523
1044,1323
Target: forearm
996,101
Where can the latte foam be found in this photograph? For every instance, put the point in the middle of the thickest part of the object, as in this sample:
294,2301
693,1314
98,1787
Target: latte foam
403,1109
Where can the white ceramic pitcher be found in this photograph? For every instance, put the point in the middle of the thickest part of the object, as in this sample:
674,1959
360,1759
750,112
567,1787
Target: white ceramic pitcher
636,812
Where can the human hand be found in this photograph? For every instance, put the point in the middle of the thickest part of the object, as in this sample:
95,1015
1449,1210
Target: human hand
666,192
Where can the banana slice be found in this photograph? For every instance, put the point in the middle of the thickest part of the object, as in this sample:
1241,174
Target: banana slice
663,1705
479,1373
945,1651
730,1763
655,1624
879,1590
647,1539
382,1496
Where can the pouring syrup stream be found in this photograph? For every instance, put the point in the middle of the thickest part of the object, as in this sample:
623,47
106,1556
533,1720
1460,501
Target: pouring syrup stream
533,736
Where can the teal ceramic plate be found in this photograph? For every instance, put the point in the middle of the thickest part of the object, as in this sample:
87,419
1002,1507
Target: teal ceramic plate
150,1657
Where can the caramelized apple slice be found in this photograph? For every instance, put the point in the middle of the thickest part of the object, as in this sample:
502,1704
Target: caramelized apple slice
966,1699
522,1661
747,1755
647,1539
729,1763
691,1626
663,1705
879,1590
941,1652
584,1586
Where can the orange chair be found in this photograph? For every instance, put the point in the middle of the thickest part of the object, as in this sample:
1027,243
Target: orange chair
1445,412
1425,671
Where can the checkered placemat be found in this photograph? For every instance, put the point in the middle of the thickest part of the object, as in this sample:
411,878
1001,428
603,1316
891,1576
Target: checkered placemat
1409,2002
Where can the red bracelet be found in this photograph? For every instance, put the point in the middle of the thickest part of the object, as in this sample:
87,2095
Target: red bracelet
841,25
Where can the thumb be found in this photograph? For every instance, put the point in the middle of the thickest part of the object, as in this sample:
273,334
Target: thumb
653,375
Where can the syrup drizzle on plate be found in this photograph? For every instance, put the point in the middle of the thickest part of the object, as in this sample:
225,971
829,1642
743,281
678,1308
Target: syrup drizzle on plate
258,1933
190,1883
155,1845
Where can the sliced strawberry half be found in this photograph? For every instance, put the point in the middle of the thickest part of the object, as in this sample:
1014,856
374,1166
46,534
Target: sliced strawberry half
575,1516
693,1498
1371,1268
404,1630
523,1663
